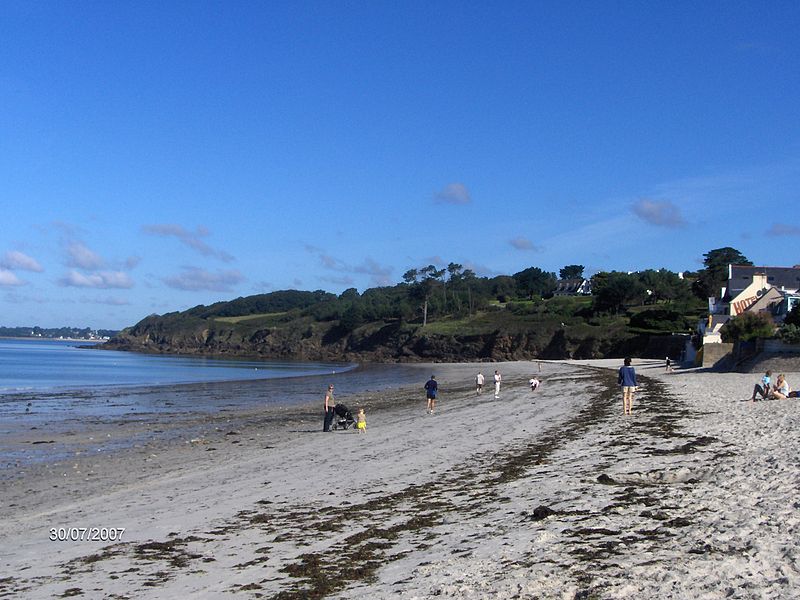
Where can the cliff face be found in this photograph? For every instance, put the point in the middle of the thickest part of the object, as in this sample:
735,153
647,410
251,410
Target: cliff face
376,342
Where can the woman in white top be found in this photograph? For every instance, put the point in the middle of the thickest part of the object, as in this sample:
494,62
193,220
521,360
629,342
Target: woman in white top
781,390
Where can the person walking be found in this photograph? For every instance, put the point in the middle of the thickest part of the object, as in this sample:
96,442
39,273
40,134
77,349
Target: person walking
329,412
627,379
497,379
479,383
431,387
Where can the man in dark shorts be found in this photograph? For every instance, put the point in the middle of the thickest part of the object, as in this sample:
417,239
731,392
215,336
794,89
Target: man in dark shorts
431,387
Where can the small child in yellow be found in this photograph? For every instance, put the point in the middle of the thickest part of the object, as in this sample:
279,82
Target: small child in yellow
361,421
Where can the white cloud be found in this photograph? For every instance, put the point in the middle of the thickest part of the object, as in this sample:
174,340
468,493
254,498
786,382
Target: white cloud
18,260
782,229
194,279
662,213
344,280
81,257
190,239
8,279
100,280
111,301
379,274
481,270
453,193
13,297
522,243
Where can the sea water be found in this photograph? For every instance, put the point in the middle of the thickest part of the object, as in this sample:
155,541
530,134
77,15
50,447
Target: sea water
50,365
47,380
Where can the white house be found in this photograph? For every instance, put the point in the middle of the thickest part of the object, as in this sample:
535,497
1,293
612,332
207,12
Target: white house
752,289
573,287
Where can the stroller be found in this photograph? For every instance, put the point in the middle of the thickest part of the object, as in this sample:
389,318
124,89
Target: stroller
344,418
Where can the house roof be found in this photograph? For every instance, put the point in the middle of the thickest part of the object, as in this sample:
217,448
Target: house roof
780,277
569,285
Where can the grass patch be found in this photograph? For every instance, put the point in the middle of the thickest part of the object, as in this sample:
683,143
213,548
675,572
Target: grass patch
266,316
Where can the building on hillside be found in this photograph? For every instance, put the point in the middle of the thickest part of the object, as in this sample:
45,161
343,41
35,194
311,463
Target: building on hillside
740,277
573,287
752,289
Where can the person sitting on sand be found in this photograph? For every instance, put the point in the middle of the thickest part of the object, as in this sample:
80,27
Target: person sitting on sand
627,379
361,421
763,387
781,389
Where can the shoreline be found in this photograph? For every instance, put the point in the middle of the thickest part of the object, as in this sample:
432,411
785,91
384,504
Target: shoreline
535,495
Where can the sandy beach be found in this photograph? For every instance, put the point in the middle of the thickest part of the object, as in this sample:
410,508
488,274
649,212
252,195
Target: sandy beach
546,494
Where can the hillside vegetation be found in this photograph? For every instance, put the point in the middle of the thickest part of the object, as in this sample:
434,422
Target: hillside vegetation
436,315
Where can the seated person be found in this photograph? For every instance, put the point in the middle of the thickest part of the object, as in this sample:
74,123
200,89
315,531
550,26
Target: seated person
781,389
762,387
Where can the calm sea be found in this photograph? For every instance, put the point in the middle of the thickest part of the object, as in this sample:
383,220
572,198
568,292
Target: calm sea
47,380
57,386
39,365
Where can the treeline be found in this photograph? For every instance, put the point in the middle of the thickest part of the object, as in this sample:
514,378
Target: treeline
432,293
57,332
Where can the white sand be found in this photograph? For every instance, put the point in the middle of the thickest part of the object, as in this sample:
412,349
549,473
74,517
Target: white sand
694,496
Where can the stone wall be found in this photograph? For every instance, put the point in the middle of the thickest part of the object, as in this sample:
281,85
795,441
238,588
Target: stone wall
715,355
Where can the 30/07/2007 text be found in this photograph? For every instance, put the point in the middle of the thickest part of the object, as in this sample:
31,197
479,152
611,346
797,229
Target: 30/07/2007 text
86,534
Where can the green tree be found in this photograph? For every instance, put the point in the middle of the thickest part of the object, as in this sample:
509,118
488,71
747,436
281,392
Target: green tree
571,272
614,291
350,294
503,287
711,279
351,318
533,281
664,285
410,276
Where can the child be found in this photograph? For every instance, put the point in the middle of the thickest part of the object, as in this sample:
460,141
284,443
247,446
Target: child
361,421
763,387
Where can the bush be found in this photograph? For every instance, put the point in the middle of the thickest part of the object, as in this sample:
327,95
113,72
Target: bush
659,319
793,318
748,327
790,334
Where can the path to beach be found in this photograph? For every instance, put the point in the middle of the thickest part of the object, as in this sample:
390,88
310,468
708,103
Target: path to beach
552,494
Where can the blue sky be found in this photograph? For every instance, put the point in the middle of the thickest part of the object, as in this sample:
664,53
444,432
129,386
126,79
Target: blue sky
159,155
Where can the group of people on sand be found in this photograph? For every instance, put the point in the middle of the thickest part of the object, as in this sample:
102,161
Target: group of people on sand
432,387
772,391
431,391
330,413
479,379
498,378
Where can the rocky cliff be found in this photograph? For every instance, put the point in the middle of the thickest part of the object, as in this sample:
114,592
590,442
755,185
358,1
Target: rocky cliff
375,342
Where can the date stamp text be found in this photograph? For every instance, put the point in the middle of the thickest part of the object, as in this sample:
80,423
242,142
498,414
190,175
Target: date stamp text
86,534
